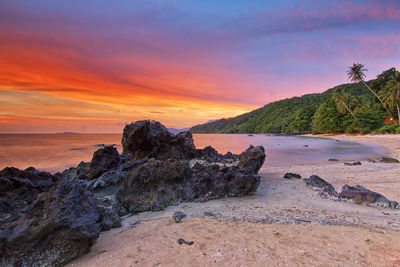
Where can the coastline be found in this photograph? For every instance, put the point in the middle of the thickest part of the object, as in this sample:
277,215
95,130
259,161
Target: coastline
284,223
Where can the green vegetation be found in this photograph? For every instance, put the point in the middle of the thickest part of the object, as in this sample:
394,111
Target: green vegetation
360,107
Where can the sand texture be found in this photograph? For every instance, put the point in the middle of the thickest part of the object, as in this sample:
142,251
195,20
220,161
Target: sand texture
284,224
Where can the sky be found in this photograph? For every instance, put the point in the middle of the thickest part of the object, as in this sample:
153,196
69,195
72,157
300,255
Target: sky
94,65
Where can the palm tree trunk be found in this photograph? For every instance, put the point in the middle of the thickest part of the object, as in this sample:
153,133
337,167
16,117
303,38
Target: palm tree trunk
398,113
354,116
372,91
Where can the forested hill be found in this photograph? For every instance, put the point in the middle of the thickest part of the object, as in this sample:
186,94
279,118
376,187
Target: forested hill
285,116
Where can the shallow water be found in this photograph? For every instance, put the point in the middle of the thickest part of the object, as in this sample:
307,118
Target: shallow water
56,152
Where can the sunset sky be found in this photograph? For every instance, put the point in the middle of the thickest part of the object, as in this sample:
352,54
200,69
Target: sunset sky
93,66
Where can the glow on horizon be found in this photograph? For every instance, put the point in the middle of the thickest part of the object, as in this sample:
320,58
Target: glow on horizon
99,66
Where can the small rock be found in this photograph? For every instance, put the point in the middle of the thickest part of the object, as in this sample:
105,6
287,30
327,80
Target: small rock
183,241
290,175
353,163
209,213
178,216
333,160
389,160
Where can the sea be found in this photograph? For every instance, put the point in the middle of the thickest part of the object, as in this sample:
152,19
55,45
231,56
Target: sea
56,152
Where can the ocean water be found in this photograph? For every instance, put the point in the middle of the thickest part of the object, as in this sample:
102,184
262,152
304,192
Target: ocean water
56,152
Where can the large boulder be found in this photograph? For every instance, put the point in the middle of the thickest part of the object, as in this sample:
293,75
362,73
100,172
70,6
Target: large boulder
361,195
161,183
58,227
19,189
151,139
103,160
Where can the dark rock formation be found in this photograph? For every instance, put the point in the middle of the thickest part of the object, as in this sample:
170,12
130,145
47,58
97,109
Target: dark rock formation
290,175
150,139
19,189
178,216
253,158
103,159
361,195
158,184
317,183
59,226
389,160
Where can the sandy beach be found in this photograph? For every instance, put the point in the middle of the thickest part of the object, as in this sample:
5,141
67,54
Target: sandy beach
284,223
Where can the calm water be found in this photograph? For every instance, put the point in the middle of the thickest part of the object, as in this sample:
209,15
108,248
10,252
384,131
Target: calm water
55,152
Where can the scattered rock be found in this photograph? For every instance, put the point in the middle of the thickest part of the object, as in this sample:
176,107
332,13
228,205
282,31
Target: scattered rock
373,160
317,183
178,216
389,160
290,175
209,213
333,160
362,195
352,163
183,241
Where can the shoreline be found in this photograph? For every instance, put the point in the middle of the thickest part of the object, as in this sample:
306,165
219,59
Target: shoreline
283,223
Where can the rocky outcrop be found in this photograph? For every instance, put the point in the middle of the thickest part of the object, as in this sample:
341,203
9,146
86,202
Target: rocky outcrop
150,139
19,189
59,226
48,220
158,184
325,189
361,195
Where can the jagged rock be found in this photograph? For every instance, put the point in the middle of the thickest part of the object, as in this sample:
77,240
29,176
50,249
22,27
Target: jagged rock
154,185
106,179
58,227
253,157
158,184
109,218
317,183
178,216
103,159
352,163
389,160
290,175
18,189
362,195
150,139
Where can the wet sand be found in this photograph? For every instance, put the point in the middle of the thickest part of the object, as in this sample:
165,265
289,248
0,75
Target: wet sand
284,223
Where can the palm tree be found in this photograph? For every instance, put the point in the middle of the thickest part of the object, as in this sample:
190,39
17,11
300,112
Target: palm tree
392,95
356,74
344,101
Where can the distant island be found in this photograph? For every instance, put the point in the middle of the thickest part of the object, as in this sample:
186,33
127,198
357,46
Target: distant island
347,108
